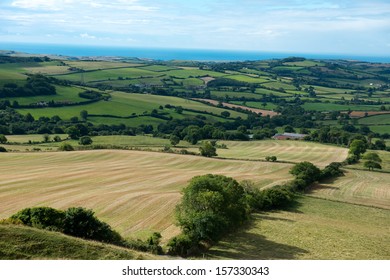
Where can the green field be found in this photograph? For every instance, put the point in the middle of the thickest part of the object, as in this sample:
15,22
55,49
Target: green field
316,229
376,120
338,107
125,104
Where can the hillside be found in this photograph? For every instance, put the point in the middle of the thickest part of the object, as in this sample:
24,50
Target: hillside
20,242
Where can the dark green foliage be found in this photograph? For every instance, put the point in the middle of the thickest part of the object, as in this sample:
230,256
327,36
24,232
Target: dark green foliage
3,150
73,132
182,245
66,147
89,94
78,222
371,165
271,158
41,217
82,223
208,150
277,197
373,157
211,206
154,243
3,139
351,159
85,140
174,140
306,171
357,147
332,170
35,85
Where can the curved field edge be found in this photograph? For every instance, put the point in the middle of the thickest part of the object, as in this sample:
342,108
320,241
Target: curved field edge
135,192
316,229
21,242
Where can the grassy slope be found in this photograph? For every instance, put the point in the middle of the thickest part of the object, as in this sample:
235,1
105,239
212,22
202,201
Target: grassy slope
20,242
316,229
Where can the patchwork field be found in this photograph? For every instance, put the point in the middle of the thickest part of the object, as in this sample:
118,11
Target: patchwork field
315,229
113,183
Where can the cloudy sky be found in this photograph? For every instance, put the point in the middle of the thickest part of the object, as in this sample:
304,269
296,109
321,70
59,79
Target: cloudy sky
302,26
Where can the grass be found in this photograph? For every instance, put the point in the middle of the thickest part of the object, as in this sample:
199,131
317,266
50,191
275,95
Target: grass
64,94
376,120
338,107
257,105
100,65
125,104
380,128
247,79
317,229
293,151
135,192
25,243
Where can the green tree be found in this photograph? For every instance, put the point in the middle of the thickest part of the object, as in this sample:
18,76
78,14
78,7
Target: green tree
371,165
85,140
46,138
3,139
73,132
211,206
225,114
208,150
373,157
65,147
84,115
174,140
306,171
357,147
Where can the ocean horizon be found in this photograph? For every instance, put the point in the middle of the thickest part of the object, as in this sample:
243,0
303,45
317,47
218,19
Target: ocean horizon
166,54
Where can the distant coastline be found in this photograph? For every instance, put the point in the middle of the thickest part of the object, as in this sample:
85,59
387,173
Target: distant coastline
172,54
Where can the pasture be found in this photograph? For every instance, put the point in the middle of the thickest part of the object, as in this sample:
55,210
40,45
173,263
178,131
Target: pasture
133,191
314,229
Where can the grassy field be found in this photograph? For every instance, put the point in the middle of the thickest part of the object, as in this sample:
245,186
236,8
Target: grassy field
25,243
124,104
293,151
315,229
375,120
338,107
113,183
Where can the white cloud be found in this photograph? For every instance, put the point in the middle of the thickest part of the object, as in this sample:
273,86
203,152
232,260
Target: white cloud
87,36
52,5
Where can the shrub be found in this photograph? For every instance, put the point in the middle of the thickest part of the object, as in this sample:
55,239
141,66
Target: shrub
41,217
332,170
306,171
277,197
82,223
85,140
182,245
66,147
3,150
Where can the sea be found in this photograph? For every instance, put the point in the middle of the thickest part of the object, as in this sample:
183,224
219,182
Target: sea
166,54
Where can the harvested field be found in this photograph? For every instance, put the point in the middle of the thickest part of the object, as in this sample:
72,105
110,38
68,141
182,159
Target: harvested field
285,150
133,191
359,187
362,114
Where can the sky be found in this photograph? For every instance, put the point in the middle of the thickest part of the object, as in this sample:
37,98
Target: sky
341,27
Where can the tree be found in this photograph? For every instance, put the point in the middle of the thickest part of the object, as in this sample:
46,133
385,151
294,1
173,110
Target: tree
225,114
208,150
85,140
211,206
3,139
373,157
73,132
372,164
357,147
84,115
66,147
306,171
46,138
174,140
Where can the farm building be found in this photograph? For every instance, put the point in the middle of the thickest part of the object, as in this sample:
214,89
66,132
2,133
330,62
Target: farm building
286,136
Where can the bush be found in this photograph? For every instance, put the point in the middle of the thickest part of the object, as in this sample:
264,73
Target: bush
85,140
182,245
271,158
66,147
306,171
277,197
82,223
3,150
332,170
41,217
208,150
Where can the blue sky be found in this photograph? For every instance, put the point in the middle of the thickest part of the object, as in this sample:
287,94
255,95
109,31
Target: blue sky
344,27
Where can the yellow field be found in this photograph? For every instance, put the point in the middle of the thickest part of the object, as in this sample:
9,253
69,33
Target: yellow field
133,191
294,151
357,186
